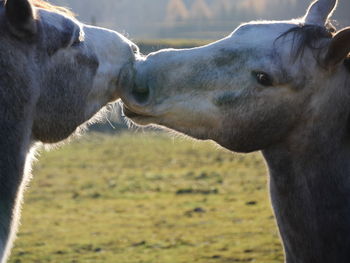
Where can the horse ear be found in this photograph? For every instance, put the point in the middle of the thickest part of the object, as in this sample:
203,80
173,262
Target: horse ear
20,17
320,11
339,48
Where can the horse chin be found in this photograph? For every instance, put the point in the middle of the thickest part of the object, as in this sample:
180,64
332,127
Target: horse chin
138,118
189,129
238,143
194,132
142,121
234,147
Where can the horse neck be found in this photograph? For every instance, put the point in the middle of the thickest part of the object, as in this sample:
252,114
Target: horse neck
310,193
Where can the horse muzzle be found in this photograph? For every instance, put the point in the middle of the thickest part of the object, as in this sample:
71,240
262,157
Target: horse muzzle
136,95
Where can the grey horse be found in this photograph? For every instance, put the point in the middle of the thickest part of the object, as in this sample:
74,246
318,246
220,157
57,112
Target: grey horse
55,75
282,87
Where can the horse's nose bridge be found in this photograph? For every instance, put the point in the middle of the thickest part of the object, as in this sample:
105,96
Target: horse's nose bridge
111,48
154,75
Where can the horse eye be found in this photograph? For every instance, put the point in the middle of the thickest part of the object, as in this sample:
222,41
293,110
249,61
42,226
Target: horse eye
263,79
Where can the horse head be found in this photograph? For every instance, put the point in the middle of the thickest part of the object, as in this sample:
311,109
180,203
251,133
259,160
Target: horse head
68,69
251,89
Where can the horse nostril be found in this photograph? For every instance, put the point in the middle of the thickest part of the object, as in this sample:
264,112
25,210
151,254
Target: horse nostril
141,94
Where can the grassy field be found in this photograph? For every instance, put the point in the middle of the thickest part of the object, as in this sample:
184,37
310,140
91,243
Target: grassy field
147,198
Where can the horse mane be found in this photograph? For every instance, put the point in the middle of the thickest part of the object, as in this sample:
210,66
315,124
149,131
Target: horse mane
50,7
308,36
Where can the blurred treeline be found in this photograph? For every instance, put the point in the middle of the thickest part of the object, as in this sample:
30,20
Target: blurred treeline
194,19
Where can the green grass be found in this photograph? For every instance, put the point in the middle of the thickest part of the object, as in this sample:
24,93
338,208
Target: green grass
147,198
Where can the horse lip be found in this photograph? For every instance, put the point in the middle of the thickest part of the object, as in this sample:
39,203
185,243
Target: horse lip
133,114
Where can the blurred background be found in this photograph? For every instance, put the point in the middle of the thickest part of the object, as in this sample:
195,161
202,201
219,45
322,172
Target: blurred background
190,19
119,195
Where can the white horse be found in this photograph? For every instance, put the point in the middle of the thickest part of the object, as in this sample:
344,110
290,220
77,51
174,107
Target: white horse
55,74
280,87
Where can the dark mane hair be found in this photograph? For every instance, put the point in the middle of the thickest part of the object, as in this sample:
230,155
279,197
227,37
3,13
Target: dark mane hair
307,36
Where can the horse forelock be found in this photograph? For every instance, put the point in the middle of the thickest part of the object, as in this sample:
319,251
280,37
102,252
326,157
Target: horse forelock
308,36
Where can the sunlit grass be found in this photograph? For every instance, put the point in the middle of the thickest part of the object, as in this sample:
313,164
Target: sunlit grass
147,198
